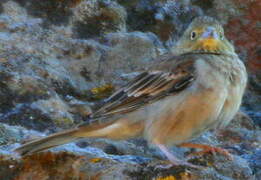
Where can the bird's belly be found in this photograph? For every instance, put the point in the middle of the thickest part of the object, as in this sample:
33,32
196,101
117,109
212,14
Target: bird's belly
181,118
231,105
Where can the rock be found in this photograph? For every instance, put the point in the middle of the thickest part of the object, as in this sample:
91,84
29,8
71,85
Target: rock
241,136
133,160
8,136
128,52
96,18
11,135
52,12
167,19
38,77
247,45
57,165
60,58
254,162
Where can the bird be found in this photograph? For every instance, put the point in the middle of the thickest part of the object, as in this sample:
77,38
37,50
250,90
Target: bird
195,87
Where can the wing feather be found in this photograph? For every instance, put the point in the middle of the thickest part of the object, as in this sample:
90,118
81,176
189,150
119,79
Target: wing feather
173,75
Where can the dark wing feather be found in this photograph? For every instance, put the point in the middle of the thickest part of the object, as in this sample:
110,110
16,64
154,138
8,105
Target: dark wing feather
172,75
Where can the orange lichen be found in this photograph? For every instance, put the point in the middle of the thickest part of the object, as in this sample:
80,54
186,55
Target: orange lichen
167,178
51,165
185,176
95,160
180,176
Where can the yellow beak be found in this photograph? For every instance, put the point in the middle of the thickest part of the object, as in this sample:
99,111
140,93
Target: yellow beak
209,44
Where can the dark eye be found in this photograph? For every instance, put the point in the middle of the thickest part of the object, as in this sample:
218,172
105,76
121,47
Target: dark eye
193,35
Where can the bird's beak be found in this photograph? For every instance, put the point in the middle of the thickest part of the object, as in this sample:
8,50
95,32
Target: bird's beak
209,39
209,32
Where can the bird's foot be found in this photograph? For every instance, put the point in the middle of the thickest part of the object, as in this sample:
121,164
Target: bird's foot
187,164
175,161
207,149
170,164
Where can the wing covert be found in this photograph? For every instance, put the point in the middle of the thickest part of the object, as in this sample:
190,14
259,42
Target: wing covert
171,76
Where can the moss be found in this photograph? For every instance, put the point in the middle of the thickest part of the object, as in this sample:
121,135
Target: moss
102,91
179,176
65,122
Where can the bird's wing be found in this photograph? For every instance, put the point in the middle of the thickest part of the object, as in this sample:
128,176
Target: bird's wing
171,76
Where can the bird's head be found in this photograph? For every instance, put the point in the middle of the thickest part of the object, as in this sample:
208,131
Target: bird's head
204,35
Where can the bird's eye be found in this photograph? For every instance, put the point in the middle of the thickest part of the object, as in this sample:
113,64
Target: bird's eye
193,35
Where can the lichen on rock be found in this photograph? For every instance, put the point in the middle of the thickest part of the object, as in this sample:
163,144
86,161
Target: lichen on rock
59,59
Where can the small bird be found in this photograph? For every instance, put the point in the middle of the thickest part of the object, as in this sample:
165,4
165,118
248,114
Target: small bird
196,87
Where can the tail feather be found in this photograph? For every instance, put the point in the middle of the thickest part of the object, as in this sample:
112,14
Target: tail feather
47,142
105,130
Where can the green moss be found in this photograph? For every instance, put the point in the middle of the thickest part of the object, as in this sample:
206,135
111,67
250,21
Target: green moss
63,121
102,92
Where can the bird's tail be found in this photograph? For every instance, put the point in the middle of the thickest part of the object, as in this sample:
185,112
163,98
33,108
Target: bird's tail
47,142
111,130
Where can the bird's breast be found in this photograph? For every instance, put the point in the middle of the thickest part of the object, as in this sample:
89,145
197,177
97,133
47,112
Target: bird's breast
184,116
211,99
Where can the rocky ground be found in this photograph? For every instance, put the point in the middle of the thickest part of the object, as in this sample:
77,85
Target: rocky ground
60,58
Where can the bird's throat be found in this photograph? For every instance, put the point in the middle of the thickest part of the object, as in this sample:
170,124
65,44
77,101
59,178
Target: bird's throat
208,45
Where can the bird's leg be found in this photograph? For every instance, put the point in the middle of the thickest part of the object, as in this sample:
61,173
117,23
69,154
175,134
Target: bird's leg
174,161
206,149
